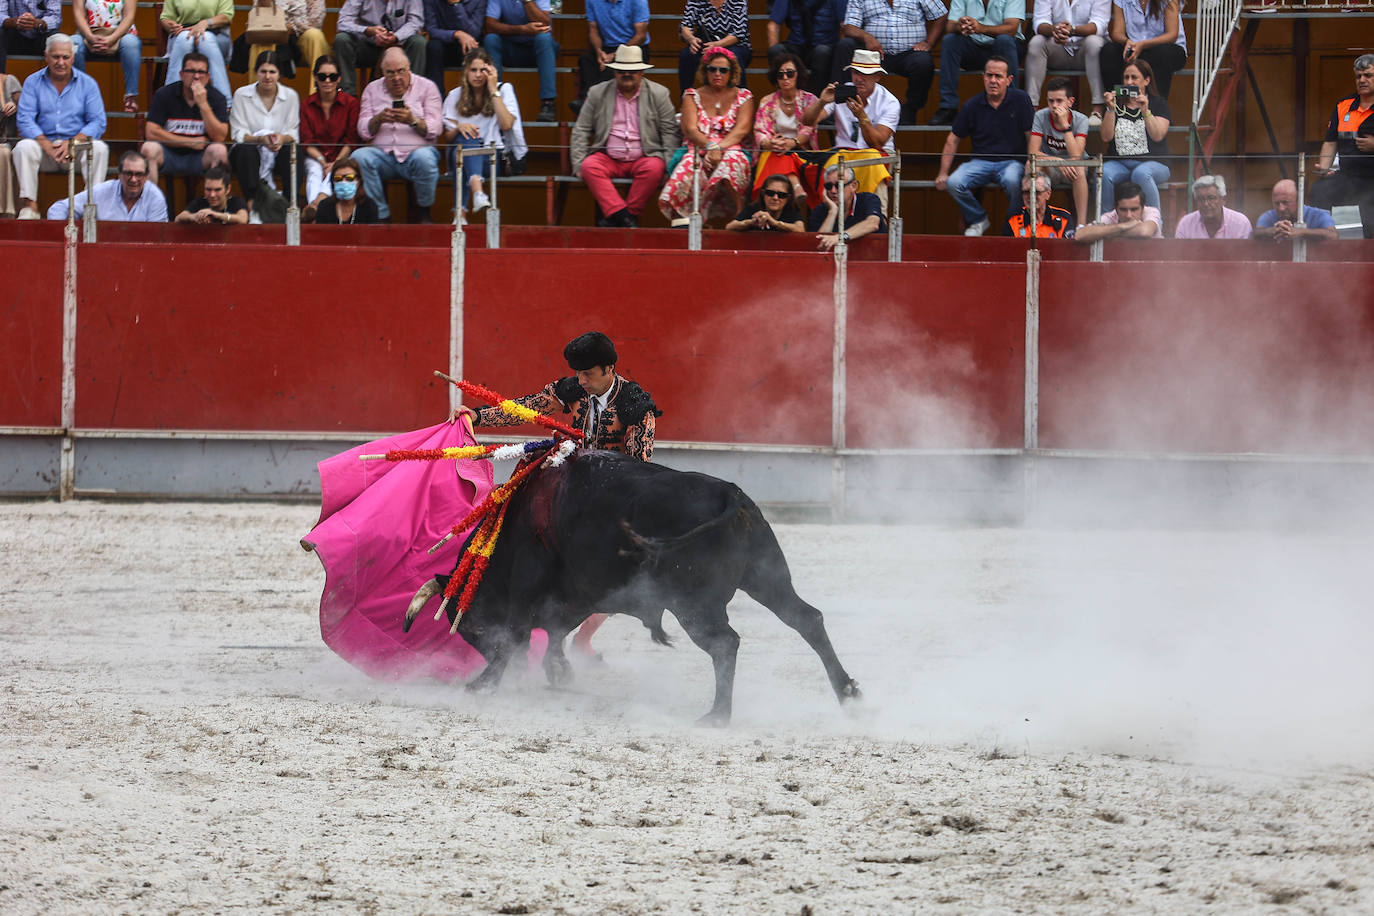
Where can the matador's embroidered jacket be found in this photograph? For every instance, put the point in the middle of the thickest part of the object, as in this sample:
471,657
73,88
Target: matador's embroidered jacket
625,425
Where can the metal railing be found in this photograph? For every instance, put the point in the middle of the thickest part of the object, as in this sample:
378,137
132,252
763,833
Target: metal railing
1216,20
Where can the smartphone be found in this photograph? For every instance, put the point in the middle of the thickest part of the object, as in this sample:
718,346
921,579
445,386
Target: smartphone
398,103
846,92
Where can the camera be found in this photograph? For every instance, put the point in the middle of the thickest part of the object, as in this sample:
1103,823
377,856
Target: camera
1124,94
846,92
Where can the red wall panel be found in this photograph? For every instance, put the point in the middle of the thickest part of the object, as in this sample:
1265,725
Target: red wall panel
735,347
31,334
1207,357
936,355
249,337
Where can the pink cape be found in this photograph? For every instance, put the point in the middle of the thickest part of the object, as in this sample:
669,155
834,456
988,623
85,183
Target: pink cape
378,520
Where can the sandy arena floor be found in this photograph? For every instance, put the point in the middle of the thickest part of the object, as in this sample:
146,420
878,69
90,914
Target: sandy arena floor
1083,722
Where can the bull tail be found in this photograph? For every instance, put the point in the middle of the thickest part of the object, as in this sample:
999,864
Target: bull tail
652,549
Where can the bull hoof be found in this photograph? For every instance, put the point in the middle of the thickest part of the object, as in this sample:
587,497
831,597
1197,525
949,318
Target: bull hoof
714,719
483,683
850,691
558,671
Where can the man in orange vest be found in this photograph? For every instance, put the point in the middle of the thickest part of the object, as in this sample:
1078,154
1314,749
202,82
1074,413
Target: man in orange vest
1351,134
1051,222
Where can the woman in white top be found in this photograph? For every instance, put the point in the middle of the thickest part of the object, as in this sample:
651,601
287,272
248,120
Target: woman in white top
264,122
476,114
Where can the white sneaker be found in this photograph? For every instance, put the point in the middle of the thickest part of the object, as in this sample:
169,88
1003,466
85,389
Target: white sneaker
26,213
480,201
1095,120
978,228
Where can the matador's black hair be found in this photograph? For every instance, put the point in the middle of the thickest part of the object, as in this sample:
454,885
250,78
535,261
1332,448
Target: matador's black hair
588,350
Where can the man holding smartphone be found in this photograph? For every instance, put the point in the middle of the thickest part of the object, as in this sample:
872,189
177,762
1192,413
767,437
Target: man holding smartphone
400,116
866,117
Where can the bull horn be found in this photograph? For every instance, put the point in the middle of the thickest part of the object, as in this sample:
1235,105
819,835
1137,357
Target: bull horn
426,592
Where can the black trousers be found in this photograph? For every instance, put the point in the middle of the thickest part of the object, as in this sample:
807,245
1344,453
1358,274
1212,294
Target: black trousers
917,66
1345,189
11,42
245,160
589,71
1164,60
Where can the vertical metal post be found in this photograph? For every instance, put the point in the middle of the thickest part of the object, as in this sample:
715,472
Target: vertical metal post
1300,244
1031,409
694,221
67,462
894,223
1095,249
293,212
493,211
457,253
1034,203
840,244
837,383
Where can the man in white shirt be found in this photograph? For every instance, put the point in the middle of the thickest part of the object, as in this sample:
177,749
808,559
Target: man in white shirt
130,198
865,122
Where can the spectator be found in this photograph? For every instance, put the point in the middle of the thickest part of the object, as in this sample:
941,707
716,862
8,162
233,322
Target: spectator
1132,218
775,210
130,198
1149,31
400,137
266,120
976,31
520,31
215,205
1050,222
863,211
905,34
348,204
455,28
717,122
58,107
610,24
105,28
1281,223
305,42
329,131
1061,131
708,24
813,35
476,114
1351,135
26,26
10,90
779,129
367,29
866,123
1136,131
999,120
626,129
187,23
188,124
1069,36
1212,219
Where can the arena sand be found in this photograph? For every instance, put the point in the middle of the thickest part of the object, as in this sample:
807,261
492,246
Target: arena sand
1081,722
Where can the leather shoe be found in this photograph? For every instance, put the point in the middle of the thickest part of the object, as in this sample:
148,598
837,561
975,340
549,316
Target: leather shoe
546,111
943,117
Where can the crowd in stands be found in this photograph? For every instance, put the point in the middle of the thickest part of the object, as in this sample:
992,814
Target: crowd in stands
743,161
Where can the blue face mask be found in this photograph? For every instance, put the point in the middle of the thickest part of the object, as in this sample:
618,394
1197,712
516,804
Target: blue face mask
345,190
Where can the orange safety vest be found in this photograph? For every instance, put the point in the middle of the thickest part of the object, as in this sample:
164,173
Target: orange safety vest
1349,117
1053,225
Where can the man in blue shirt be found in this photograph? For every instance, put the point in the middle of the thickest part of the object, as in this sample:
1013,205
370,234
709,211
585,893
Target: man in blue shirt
976,31
130,198
999,121
813,31
59,107
26,26
1282,222
520,32
610,24
454,27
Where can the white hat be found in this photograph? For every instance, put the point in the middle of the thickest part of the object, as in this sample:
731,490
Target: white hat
867,62
629,57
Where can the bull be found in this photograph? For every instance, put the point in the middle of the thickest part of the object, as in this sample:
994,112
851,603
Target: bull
603,533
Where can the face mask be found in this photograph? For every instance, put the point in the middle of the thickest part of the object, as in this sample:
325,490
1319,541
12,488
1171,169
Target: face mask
344,190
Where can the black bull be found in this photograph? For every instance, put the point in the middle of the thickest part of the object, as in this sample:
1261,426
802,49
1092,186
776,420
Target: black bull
603,533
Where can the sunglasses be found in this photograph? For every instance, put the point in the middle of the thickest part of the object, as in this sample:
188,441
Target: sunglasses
832,185
786,74
345,177
327,77
717,69
774,193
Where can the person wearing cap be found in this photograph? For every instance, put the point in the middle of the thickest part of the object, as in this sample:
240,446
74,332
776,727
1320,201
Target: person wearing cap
627,129
864,124
613,413
905,35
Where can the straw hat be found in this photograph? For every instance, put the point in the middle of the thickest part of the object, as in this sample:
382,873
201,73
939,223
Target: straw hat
867,62
629,57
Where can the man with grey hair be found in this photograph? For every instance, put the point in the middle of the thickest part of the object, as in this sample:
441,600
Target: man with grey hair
1212,219
59,108
1351,135
1050,222
863,211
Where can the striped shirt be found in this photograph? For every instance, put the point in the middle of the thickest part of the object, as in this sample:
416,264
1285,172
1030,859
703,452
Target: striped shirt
896,26
730,19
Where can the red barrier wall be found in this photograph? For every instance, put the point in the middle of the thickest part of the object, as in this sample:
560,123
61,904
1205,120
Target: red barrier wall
209,337
734,346
936,355
31,334
1207,357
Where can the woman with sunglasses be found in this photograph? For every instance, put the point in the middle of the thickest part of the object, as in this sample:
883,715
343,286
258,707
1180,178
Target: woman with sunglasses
773,211
778,128
265,121
717,120
348,204
329,131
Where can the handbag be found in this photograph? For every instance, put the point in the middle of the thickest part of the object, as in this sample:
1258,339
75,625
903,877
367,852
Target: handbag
266,24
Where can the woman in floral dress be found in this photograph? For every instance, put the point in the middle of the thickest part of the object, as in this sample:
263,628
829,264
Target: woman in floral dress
718,119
